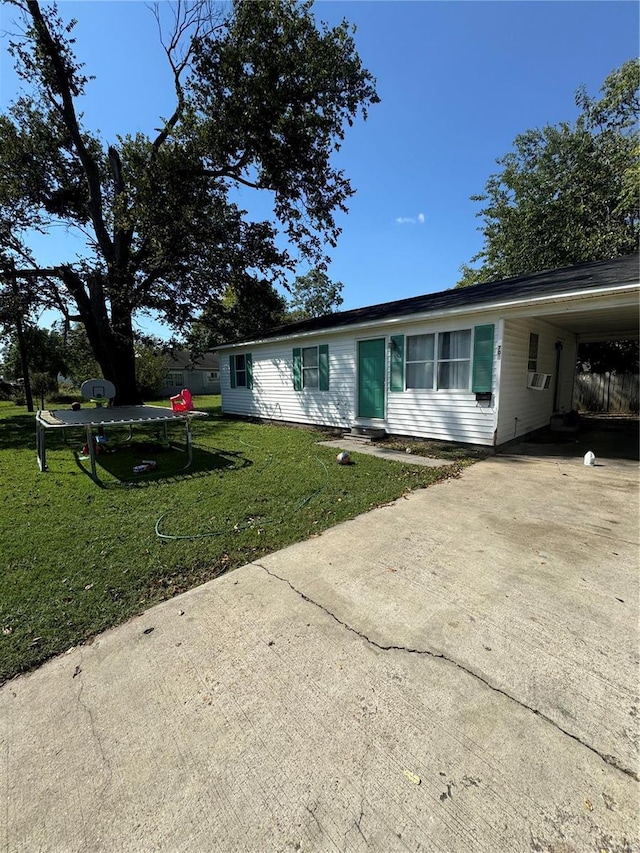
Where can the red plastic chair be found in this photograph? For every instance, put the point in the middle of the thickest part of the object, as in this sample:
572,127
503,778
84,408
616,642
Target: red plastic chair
182,402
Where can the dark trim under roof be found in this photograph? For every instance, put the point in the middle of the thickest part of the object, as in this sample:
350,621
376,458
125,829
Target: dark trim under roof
591,276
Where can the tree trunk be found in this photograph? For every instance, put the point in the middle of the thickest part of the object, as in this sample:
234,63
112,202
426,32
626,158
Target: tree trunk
121,365
111,339
22,344
22,347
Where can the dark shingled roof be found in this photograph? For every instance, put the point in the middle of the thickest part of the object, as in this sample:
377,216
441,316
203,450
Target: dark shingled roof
618,271
181,359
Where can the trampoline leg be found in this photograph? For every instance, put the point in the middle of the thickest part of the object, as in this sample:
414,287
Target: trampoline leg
189,447
40,449
92,453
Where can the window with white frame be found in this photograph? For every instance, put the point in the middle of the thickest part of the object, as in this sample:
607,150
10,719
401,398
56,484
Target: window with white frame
174,379
240,371
532,364
214,375
420,354
310,367
460,360
454,359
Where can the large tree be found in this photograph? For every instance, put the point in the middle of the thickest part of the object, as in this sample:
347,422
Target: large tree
567,193
247,308
262,98
45,353
314,295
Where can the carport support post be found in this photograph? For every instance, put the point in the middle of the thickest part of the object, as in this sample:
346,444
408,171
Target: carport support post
557,382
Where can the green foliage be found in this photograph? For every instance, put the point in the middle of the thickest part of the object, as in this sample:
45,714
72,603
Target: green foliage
151,367
608,357
247,308
45,353
314,295
80,361
77,559
567,194
43,385
263,97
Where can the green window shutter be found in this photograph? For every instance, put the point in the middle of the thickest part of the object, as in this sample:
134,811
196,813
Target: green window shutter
323,364
482,358
248,360
396,366
297,369
232,370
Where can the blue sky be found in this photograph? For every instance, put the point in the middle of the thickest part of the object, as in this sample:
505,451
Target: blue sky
458,81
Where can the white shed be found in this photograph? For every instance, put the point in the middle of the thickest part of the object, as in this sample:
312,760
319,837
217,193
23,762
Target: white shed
481,365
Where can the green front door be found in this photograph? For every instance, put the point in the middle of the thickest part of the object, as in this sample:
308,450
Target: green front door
371,372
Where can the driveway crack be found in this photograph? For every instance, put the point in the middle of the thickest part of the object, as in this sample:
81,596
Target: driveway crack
611,760
89,713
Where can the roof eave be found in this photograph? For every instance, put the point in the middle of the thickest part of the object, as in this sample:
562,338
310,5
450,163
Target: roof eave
502,305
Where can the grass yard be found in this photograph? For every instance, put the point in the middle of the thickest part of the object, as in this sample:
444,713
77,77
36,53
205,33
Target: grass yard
77,557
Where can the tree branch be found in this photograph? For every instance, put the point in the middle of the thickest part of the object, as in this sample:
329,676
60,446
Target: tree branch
233,172
121,236
89,165
198,19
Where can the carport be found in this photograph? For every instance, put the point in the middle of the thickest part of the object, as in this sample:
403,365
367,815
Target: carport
598,302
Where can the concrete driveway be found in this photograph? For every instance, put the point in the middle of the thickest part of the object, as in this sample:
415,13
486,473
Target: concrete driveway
454,672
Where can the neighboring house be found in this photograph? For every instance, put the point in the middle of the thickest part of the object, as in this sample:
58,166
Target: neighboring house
201,375
482,364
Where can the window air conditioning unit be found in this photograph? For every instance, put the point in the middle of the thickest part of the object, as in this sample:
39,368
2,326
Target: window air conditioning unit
538,381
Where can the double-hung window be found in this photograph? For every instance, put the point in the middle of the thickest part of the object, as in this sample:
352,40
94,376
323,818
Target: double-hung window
420,361
174,379
241,370
532,363
311,368
442,361
454,359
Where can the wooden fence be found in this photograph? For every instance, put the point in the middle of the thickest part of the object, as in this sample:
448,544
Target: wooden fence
606,392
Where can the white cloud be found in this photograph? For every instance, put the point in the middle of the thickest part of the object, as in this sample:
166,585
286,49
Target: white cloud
411,220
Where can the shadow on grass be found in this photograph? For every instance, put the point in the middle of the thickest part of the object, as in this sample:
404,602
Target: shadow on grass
18,432
171,463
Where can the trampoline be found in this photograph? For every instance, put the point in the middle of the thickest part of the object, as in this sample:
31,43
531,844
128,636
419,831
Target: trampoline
98,418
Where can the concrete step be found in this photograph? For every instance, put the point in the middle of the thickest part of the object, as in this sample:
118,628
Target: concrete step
365,434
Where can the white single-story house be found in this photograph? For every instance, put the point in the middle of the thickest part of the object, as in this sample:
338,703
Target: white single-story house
480,365
200,374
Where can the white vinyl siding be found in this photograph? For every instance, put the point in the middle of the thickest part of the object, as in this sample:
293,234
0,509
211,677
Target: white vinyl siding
452,415
446,414
498,372
274,396
523,409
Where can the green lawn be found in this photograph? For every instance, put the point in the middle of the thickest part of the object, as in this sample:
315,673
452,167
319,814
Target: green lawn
77,557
